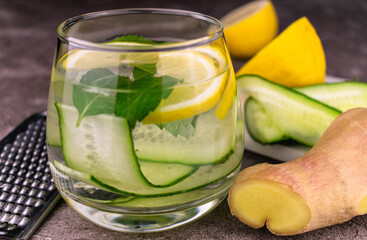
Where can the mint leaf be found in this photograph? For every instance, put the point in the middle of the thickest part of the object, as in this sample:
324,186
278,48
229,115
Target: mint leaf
143,70
135,100
147,93
100,77
184,127
90,103
134,39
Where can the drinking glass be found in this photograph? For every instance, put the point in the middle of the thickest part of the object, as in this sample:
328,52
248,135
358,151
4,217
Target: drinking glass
144,128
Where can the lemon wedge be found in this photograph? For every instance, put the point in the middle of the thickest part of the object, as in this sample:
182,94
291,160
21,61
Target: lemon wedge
203,70
295,58
250,27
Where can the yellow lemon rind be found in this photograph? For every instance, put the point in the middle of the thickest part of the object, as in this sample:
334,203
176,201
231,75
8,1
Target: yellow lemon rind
250,27
295,58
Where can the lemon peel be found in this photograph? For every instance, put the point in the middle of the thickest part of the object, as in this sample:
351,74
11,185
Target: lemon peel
250,27
295,58
229,93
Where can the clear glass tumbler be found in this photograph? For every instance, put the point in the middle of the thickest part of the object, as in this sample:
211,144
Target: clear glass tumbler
144,129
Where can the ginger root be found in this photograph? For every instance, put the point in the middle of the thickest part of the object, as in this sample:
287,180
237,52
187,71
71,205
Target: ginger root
326,186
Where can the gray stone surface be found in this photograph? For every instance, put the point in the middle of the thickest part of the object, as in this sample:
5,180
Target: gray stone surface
27,42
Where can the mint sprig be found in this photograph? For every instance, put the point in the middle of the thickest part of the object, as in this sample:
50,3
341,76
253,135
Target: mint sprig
135,100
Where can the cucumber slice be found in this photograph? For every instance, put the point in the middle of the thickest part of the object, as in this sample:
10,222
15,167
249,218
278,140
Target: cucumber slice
204,176
341,95
172,200
260,125
79,183
212,142
165,174
59,91
52,127
300,117
97,161
68,173
102,148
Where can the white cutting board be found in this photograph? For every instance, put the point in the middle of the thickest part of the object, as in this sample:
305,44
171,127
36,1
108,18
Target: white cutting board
281,152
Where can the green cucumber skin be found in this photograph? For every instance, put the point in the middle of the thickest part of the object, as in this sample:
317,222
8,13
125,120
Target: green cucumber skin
200,178
220,160
151,164
278,99
341,95
259,125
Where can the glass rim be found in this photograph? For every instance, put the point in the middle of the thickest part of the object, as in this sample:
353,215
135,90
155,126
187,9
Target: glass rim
85,44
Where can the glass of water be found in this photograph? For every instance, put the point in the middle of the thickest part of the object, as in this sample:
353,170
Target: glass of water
144,129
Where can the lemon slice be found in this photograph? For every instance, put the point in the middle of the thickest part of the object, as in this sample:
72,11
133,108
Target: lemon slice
202,88
230,88
88,59
250,27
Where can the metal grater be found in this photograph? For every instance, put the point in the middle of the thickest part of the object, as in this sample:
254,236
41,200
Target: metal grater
27,191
